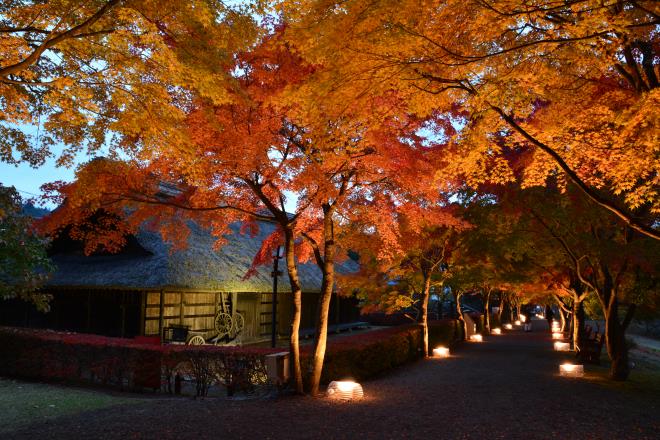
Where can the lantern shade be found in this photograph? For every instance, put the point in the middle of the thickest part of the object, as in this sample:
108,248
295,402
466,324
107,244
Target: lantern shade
523,318
508,326
571,370
557,335
562,346
476,338
441,352
345,390
517,322
497,331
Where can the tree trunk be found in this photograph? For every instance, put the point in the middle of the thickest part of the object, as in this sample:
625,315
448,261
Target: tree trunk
500,310
615,331
578,325
487,311
460,315
562,319
424,316
327,268
296,292
617,348
615,338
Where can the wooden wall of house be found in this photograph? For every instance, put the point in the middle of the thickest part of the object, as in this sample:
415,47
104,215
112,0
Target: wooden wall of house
198,310
342,310
99,311
249,305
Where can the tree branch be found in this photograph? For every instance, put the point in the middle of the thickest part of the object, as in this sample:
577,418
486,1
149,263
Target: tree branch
572,175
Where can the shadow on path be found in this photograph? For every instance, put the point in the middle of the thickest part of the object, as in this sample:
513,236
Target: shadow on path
506,387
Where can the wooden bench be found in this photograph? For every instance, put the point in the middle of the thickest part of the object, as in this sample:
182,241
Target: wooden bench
592,348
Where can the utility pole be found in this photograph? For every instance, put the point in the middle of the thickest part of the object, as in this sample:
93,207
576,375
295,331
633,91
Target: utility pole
275,274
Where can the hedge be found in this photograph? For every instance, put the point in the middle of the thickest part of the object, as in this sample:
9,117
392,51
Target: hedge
135,364
124,363
366,355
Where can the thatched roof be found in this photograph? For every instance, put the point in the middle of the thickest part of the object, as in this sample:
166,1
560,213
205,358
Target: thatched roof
199,266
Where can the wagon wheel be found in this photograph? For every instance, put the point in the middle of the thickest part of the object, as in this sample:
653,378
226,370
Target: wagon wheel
196,340
223,324
239,324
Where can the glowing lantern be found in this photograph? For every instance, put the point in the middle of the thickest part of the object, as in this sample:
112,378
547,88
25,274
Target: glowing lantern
345,390
497,331
523,318
508,326
517,322
476,338
557,335
562,346
570,370
441,352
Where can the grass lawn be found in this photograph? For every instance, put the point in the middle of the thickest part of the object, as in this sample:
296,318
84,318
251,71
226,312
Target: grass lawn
22,403
644,378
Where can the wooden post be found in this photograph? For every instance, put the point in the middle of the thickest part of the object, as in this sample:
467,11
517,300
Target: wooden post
122,332
275,274
181,315
143,312
160,314
88,319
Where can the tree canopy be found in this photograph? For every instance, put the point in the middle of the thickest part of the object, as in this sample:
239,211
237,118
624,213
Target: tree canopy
515,144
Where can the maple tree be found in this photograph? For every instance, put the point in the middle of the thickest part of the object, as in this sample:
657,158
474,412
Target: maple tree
403,255
575,83
105,73
254,152
492,255
594,254
251,158
372,114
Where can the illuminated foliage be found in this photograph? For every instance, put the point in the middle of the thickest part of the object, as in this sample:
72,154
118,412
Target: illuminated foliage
574,83
109,72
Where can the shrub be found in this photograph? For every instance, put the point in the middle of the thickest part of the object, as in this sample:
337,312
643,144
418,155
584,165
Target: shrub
445,332
125,363
140,364
366,355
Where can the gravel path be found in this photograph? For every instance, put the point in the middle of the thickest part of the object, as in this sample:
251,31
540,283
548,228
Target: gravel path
506,387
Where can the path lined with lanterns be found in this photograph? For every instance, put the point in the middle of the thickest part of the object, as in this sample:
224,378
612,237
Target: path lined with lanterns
507,386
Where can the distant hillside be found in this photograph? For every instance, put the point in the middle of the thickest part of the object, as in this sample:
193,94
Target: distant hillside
32,211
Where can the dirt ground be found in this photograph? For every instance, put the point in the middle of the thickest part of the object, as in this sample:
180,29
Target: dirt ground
506,387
